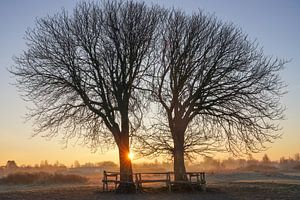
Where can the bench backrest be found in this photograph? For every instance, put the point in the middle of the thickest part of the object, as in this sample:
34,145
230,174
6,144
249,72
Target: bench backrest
155,176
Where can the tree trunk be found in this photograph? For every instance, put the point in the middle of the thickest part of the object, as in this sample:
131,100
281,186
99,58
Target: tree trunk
179,167
126,176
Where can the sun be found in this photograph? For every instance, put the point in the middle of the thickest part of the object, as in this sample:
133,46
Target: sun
130,155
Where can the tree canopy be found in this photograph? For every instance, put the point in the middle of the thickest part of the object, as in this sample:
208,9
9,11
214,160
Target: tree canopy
82,71
216,90
88,73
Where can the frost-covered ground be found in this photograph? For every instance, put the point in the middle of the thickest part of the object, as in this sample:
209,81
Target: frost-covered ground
242,185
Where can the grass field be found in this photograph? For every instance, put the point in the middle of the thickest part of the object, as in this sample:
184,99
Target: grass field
221,186
251,191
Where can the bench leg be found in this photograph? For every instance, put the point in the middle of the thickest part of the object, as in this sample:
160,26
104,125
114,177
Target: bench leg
105,186
169,187
139,186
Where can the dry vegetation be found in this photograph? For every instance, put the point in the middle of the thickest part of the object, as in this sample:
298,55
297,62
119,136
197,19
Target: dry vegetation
209,165
227,179
43,178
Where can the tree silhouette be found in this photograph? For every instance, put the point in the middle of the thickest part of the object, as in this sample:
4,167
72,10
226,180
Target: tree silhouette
11,164
82,73
266,159
214,86
87,74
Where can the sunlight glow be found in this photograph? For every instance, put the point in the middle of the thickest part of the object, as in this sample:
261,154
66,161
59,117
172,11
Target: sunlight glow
130,155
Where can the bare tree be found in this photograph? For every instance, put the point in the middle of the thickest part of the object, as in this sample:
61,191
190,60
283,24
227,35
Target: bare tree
213,80
266,160
82,73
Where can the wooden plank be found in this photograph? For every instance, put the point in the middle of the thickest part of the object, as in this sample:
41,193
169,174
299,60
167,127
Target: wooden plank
155,173
112,175
152,181
111,181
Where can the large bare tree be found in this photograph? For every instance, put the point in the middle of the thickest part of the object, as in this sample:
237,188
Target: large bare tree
82,73
213,84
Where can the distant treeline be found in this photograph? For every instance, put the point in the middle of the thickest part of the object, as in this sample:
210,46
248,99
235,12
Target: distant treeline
208,164
45,165
250,164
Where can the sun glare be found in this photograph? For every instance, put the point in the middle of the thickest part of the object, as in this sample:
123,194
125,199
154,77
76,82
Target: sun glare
130,155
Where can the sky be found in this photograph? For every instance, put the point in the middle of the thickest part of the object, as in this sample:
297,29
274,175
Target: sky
275,24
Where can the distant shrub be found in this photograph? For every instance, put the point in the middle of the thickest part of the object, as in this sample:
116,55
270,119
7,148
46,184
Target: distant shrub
11,164
297,167
41,178
258,168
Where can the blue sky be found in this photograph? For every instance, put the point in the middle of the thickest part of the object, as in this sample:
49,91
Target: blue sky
275,24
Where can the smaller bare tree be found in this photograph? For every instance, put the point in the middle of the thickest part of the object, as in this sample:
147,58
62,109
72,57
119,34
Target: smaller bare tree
213,84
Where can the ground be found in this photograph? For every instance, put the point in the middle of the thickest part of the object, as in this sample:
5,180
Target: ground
252,186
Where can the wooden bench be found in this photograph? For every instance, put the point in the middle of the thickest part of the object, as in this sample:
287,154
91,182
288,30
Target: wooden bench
198,176
110,177
165,178
193,179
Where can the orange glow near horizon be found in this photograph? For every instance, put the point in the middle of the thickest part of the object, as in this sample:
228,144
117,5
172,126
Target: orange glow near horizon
130,155
52,152
16,144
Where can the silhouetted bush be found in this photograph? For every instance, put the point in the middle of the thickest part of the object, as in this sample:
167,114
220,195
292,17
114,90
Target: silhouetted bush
297,167
41,178
11,164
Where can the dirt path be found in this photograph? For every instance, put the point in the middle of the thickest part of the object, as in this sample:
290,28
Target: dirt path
230,191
